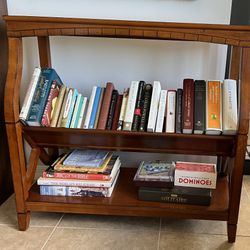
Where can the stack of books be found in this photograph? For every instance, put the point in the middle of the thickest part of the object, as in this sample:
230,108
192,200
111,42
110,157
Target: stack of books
89,173
180,182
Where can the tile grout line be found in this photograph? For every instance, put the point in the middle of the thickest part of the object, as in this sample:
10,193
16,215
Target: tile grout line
159,235
49,237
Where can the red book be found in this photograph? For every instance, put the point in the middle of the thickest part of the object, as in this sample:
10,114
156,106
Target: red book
188,106
117,112
105,106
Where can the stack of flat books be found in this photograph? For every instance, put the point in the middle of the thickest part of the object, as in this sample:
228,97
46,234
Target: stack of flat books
90,173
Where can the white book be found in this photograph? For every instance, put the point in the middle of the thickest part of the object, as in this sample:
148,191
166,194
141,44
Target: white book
170,111
161,111
82,112
130,108
90,106
229,107
29,94
154,106
75,116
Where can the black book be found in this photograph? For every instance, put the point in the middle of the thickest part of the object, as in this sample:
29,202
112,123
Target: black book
112,108
178,194
178,116
138,107
199,106
147,93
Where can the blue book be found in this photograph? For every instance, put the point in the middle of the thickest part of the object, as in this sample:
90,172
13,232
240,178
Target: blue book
47,76
95,107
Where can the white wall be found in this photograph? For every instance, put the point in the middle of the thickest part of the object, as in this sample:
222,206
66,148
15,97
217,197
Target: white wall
83,62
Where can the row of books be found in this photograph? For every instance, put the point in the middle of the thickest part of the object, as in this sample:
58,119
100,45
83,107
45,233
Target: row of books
180,182
91,173
199,107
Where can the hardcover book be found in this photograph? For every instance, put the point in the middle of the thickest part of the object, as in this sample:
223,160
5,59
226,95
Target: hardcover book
188,106
99,108
123,109
170,111
117,112
185,195
155,174
161,111
111,112
213,108
199,106
178,117
193,174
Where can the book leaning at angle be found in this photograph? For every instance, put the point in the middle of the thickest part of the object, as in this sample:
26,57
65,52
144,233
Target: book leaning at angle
194,174
229,107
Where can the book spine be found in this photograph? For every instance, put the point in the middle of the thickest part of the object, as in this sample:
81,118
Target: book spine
29,94
90,106
138,107
170,111
95,108
65,98
199,106
161,111
112,109
76,111
188,106
58,106
146,107
105,106
213,108
99,108
123,109
117,112
50,105
229,105
82,112
154,106
129,114
178,117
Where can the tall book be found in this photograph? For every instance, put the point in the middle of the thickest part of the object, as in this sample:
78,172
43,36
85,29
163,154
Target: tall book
50,105
112,106
178,116
58,106
83,112
170,111
161,111
213,108
105,106
229,107
29,94
147,94
188,106
123,109
117,112
65,97
129,113
199,106
154,106
95,107
138,107
69,108
90,107
99,108
76,112
47,76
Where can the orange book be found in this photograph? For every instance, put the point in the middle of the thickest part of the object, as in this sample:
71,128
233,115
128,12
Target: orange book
213,111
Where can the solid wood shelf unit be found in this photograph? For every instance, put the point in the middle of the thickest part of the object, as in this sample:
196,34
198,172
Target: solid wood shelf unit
230,150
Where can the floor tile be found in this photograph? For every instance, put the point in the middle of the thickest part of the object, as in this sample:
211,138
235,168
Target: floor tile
109,222
244,220
33,238
38,219
8,213
66,238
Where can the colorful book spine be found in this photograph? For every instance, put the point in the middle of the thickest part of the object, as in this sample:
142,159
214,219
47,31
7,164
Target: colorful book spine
82,112
178,117
213,108
188,106
170,111
65,98
129,113
111,113
47,76
29,94
95,108
161,111
146,107
199,106
76,112
138,107
99,108
154,106
105,106
123,109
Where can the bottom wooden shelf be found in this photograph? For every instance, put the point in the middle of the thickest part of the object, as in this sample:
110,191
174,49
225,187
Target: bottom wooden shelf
124,202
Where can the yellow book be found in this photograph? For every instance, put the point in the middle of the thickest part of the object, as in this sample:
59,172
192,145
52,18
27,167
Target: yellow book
213,108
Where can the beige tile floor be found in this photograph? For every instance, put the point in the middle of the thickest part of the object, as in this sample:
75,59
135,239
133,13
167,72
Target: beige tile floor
68,231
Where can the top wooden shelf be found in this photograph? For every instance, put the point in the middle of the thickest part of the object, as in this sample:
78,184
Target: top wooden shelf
28,26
